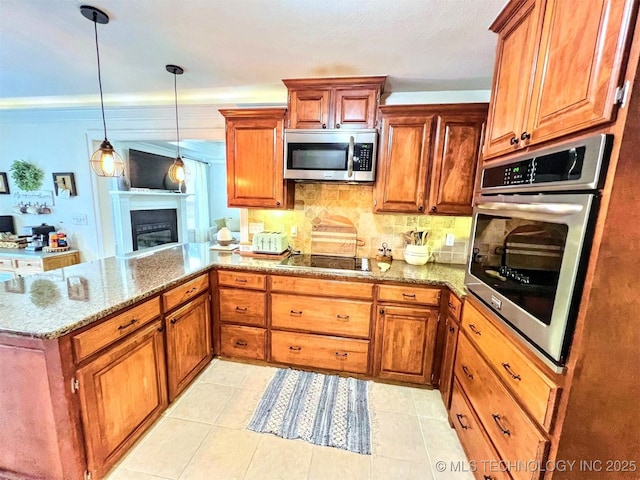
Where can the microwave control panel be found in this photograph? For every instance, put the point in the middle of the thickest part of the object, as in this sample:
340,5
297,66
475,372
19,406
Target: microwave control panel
362,155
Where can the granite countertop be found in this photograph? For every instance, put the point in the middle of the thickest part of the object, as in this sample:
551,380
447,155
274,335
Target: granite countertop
21,252
51,304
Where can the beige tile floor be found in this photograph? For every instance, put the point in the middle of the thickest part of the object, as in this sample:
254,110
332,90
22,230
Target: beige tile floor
202,436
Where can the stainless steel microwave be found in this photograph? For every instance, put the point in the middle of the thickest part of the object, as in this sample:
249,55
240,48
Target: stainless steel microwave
330,155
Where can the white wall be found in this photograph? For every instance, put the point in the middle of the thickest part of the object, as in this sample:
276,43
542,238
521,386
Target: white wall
60,140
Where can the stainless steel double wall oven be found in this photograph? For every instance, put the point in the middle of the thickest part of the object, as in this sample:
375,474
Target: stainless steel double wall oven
532,231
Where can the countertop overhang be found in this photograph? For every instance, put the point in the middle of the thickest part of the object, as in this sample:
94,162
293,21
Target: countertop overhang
52,304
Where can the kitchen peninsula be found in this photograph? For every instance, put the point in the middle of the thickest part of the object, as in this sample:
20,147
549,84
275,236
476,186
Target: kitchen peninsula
114,329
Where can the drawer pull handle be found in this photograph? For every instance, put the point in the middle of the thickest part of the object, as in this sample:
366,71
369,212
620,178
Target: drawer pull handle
343,317
473,328
127,325
191,290
240,343
496,418
341,355
241,309
241,280
452,306
515,376
295,312
459,416
295,349
466,372
409,295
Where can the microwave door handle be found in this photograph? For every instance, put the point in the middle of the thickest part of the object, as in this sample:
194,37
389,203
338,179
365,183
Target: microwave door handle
557,209
350,157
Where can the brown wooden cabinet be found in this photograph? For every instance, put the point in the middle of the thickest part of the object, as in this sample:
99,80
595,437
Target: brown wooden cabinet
451,328
455,160
188,343
428,158
404,158
122,392
552,78
255,156
405,343
350,102
242,314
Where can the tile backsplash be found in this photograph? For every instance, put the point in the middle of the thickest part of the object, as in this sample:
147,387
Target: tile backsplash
315,201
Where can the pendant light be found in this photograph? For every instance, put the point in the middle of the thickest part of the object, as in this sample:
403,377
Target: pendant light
105,161
177,171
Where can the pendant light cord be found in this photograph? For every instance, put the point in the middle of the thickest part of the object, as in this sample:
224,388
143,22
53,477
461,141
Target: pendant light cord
175,96
95,26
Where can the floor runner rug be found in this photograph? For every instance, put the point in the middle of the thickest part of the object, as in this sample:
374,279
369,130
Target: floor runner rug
325,410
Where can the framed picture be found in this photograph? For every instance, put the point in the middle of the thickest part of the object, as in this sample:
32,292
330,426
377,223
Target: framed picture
4,184
65,184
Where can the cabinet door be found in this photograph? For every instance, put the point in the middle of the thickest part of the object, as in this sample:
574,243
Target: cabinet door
255,158
188,343
122,392
511,80
455,162
405,343
578,69
405,154
355,108
448,357
310,108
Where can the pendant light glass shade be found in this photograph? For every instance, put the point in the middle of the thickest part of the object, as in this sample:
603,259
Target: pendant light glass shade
177,172
105,161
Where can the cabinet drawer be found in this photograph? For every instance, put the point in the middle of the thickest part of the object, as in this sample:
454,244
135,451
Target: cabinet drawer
319,351
6,264
516,437
90,341
243,342
28,266
536,391
242,306
184,292
321,315
329,288
473,438
409,294
244,280
454,306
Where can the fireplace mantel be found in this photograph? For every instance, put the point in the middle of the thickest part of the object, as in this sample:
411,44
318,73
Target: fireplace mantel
124,202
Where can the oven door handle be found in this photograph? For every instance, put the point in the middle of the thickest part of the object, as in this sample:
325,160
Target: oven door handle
559,209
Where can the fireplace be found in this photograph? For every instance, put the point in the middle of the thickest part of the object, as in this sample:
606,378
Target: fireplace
148,219
150,228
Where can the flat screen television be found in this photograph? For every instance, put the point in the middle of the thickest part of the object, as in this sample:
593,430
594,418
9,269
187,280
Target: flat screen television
148,170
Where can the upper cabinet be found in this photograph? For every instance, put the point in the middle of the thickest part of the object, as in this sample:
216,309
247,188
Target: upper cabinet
350,102
255,156
428,157
558,69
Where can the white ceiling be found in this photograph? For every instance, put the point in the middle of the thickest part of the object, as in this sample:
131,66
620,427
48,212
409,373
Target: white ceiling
237,51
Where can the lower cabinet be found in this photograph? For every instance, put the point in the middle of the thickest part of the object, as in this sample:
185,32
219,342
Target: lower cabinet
188,343
405,341
319,351
483,458
448,357
122,392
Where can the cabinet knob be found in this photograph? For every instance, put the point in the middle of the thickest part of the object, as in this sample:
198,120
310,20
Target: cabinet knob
420,208
525,136
381,311
337,125
451,329
324,125
277,204
514,141
434,208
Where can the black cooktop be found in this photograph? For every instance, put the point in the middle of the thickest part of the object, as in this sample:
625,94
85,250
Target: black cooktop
327,262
